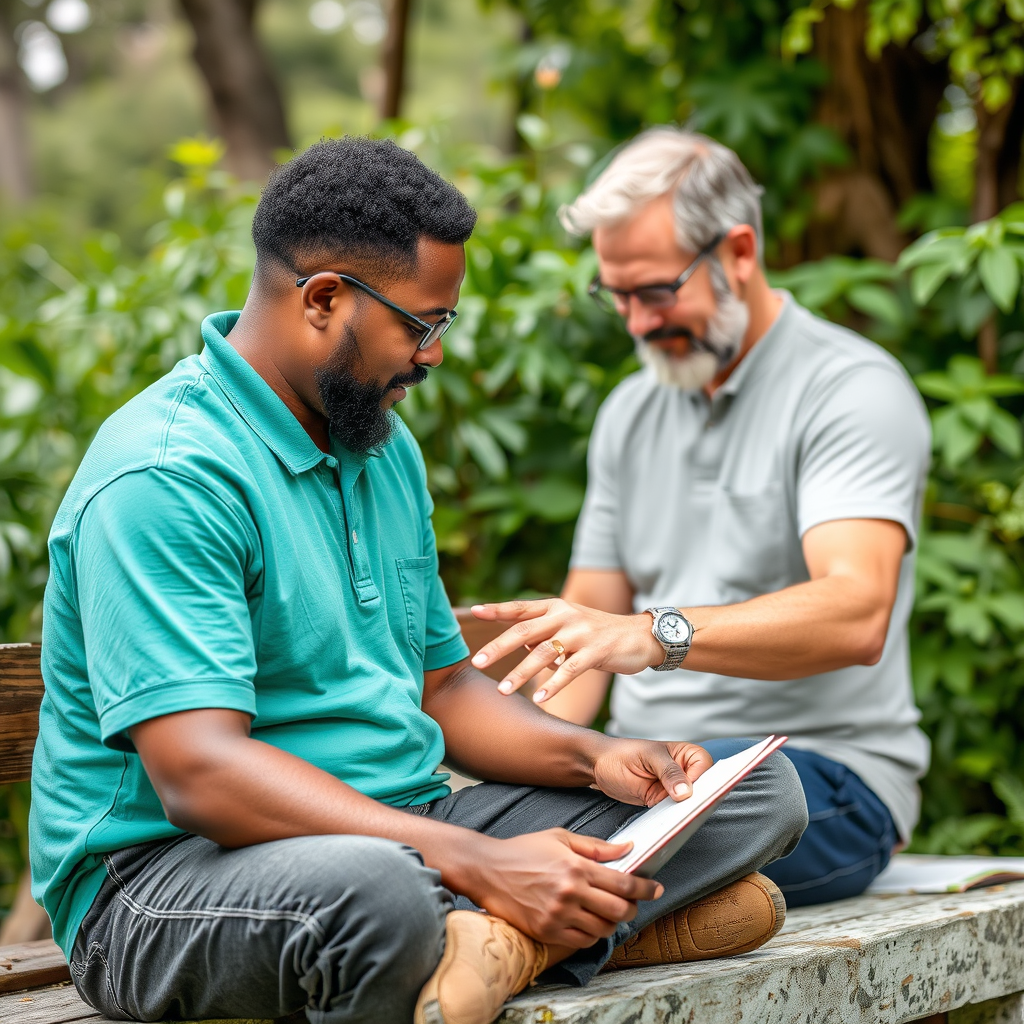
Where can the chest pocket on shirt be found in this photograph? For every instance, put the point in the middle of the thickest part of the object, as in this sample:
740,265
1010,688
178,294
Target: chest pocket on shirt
415,576
751,541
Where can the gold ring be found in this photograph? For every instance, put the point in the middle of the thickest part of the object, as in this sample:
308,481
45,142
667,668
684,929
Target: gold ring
559,650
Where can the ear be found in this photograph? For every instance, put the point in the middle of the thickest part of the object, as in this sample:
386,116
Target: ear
325,296
739,247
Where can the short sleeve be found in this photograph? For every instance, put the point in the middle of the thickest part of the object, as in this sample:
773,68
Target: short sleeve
864,453
159,569
595,543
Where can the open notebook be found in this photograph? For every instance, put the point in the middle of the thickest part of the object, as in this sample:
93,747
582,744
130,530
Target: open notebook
658,834
922,873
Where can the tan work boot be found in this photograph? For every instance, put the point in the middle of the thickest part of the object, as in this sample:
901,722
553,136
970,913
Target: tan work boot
486,961
733,920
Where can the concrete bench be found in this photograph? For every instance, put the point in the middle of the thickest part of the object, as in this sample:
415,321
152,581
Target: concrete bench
872,960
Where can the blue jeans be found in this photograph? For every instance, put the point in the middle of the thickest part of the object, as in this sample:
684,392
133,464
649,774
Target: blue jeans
849,837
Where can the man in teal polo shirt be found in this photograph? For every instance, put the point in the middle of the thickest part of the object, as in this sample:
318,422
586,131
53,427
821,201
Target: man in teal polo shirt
253,674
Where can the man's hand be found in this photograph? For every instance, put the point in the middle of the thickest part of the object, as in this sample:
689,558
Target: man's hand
552,886
588,639
645,771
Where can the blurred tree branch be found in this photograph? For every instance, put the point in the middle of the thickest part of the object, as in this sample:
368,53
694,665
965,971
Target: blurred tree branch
15,164
393,58
246,100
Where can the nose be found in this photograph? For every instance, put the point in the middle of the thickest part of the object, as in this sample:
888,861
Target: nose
432,355
640,318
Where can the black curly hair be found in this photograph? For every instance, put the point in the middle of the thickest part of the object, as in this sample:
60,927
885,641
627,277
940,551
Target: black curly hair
365,199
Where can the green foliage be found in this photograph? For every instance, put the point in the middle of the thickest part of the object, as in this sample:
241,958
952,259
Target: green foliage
601,70
982,41
967,631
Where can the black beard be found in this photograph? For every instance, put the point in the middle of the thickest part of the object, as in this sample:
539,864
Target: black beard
356,419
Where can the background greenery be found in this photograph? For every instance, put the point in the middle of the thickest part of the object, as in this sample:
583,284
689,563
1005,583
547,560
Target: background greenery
134,238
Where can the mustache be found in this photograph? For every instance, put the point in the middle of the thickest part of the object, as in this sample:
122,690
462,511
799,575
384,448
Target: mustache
668,332
407,380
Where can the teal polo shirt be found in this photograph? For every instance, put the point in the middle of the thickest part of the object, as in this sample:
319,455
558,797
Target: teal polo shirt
209,555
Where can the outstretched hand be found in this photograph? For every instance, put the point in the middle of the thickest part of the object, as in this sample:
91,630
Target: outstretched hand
584,638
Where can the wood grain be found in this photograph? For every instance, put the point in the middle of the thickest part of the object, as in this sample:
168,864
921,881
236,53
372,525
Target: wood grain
31,964
58,1005
21,691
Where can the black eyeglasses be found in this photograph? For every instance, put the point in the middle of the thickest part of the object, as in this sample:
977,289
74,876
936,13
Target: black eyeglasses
653,296
431,331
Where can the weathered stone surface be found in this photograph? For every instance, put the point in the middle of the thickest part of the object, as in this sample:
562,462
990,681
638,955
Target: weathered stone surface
871,960
1009,1010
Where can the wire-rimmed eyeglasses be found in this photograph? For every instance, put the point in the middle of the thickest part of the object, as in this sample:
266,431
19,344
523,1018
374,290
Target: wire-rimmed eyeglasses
653,296
431,331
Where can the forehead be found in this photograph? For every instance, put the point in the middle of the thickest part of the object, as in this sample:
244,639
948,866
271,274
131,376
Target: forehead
437,277
643,245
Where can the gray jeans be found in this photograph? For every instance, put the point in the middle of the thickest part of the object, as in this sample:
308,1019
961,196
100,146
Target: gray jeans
349,928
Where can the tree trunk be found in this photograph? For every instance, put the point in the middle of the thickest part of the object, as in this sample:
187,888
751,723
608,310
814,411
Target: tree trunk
992,141
394,59
15,168
884,111
246,101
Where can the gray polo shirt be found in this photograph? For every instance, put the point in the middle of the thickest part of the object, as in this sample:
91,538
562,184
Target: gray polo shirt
705,503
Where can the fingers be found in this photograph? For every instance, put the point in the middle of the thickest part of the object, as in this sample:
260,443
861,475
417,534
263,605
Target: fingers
629,887
574,665
624,885
671,775
593,848
511,611
528,633
542,656
694,760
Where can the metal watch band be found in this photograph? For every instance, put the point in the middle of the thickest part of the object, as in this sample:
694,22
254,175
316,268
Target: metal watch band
674,653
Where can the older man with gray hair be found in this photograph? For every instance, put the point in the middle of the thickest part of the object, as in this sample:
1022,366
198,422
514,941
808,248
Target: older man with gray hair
752,507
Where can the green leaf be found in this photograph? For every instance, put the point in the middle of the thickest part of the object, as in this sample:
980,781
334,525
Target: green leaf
554,499
1000,274
926,280
1008,608
969,618
936,385
1005,432
484,449
876,301
1010,789
955,437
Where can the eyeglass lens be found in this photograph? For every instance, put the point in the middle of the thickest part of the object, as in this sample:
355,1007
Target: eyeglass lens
435,332
653,298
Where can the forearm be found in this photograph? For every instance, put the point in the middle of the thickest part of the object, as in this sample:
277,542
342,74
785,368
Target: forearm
246,792
509,739
581,702
813,627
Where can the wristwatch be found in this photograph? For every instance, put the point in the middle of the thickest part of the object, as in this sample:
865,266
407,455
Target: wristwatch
674,632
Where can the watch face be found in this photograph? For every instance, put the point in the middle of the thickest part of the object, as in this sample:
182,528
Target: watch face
673,628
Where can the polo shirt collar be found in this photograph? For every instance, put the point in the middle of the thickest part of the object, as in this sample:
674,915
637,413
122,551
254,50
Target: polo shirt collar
255,400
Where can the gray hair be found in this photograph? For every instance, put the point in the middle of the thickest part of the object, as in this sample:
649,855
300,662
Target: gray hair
712,190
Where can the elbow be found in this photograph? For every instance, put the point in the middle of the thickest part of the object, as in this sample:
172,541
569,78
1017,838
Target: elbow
870,642
182,808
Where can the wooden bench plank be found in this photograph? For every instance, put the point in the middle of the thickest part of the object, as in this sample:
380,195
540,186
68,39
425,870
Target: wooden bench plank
21,691
58,1005
32,964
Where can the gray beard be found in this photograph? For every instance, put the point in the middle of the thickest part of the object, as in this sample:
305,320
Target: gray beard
699,367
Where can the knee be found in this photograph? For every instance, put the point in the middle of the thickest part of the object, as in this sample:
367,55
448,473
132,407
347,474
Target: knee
784,794
383,928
